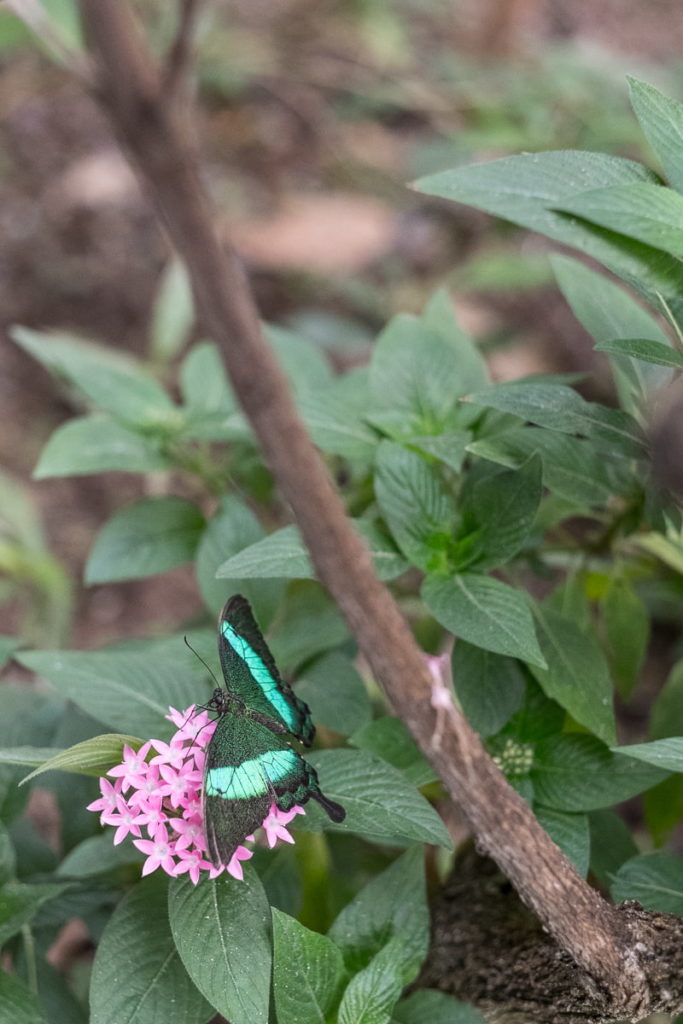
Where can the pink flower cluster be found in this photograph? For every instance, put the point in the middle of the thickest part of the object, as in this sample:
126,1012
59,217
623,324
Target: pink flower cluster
163,796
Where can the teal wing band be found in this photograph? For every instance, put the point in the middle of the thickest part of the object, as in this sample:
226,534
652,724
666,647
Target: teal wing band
261,674
255,777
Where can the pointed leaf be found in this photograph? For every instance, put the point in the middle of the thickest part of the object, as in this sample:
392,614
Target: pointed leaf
414,502
388,737
137,945
173,311
645,350
501,509
17,1003
130,691
209,924
527,189
91,757
654,879
380,803
308,972
490,687
574,772
392,906
560,408
649,213
576,676
571,832
97,444
665,753
284,554
484,612
661,119
145,538
372,993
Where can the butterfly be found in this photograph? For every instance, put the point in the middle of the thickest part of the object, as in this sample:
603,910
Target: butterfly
249,764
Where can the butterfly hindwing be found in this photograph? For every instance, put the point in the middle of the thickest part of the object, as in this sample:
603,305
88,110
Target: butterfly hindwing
248,767
251,673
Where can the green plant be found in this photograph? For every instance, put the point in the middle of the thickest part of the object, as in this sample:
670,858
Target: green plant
519,517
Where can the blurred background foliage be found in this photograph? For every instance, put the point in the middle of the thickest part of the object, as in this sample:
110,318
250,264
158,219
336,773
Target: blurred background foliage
312,118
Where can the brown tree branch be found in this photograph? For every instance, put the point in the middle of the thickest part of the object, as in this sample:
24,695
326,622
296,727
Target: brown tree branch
179,59
132,92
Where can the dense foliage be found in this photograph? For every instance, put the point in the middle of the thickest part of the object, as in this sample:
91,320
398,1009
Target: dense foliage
520,517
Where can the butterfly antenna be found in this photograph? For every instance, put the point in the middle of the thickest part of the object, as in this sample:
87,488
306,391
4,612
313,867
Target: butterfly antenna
207,667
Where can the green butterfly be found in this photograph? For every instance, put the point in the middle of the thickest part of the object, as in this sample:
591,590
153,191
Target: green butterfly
249,764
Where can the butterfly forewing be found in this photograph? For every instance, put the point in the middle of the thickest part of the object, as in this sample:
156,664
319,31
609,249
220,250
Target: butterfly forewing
251,673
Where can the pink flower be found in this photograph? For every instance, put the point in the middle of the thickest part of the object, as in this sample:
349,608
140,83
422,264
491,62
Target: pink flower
133,768
167,791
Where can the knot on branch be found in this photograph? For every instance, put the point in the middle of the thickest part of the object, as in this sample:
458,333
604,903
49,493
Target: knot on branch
487,948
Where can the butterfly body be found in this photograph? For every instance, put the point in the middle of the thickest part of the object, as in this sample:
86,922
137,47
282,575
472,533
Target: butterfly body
249,764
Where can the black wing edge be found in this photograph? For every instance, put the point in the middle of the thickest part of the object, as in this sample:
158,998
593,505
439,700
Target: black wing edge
239,614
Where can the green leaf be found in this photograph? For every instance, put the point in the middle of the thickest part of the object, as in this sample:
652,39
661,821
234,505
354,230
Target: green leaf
418,511
576,676
308,972
308,625
663,806
449,447
427,1006
484,612
489,687
335,416
137,945
97,855
661,119
416,377
284,554
335,693
667,711
608,312
91,757
527,190
627,630
499,511
388,737
439,315
130,691
97,444
571,832
654,879
148,537
392,906
26,755
611,844
17,1003
373,992
647,212
574,772
560,408
58,1002
644,349
232,529
116,384
665,753
19,904
572,468
172,313
210,923
380,803
304,365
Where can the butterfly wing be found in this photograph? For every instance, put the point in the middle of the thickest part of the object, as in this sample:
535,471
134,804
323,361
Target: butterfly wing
248,767
251,673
